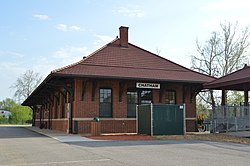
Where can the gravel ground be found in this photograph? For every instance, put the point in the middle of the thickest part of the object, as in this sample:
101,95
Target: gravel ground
122,137
208,137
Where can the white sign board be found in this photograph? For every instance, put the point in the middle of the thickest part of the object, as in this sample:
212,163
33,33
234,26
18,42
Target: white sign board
148,85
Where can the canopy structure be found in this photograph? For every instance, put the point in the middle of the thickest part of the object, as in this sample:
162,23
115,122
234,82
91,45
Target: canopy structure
238,80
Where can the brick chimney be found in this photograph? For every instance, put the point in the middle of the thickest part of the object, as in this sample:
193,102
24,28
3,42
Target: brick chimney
123,36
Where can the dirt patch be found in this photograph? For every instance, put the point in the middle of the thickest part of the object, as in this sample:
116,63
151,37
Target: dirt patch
122,137
207,137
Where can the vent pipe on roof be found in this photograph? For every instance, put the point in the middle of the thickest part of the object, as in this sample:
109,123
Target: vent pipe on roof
123,36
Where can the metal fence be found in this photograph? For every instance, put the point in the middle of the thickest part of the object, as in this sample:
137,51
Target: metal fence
230,118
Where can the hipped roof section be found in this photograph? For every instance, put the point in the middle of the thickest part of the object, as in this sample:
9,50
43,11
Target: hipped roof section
238,80
128,63
113,61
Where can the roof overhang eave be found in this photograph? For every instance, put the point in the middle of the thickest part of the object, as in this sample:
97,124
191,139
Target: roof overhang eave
129,78
52,75
40,86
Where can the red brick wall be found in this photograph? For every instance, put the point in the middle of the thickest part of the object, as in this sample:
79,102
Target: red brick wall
120,126
109,126
88,108
60,125
156,95
190,126
190,104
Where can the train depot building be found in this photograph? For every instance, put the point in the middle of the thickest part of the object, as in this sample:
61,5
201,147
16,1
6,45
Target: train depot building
108,84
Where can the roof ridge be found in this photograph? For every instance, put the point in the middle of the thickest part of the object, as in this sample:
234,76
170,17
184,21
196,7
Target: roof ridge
84,58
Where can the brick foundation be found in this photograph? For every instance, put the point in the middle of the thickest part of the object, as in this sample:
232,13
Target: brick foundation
190,125
109,126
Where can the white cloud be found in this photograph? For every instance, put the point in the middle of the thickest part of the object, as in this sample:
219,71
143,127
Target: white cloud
62,27
68,28
60,58
102,40
11,53
11,67
213,24
11,70
132,11
228,5
69,51
74,28
41,16
44,70
70,54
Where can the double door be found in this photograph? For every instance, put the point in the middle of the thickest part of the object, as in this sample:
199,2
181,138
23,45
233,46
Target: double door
138,97
144,96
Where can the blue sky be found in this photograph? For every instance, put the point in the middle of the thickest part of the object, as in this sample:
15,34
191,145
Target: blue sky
43,35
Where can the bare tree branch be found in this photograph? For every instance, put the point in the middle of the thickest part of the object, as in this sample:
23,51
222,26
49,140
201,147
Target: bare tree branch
25,84
225,52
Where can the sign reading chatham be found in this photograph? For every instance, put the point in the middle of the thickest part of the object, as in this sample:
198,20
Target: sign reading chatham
147,85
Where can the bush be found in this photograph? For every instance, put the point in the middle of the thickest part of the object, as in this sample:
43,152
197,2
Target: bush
20,114
4,120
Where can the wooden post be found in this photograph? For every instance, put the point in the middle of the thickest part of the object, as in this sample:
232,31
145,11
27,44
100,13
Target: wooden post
246,97
223,97
223,102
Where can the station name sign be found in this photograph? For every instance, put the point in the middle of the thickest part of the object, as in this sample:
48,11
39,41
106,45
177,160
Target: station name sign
148,85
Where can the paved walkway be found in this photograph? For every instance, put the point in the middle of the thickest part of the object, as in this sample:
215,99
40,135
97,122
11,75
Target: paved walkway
60,136
67,138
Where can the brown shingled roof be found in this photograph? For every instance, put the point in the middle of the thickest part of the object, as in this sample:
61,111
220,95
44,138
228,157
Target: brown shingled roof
237,80
113,61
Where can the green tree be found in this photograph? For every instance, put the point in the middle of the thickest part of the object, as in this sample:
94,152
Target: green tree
7,104
19,114
235,97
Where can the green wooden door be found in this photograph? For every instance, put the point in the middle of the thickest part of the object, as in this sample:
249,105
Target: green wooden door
167,120
144,119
